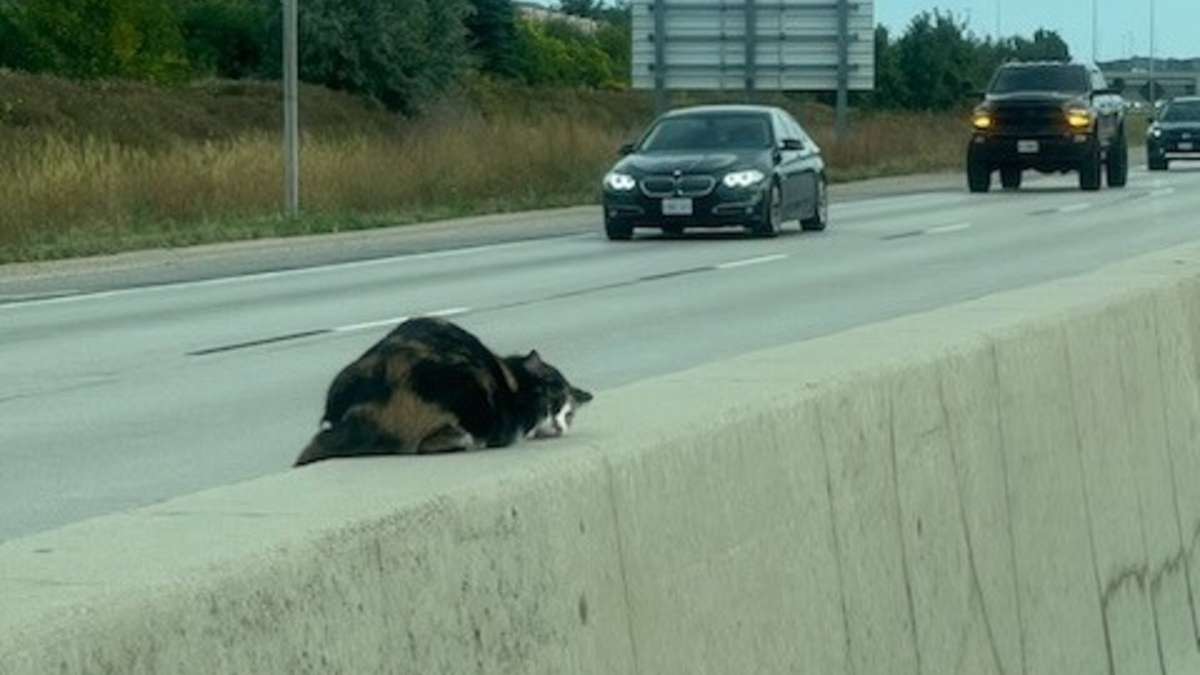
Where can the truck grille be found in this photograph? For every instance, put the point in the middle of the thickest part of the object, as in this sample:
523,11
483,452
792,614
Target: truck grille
1031,119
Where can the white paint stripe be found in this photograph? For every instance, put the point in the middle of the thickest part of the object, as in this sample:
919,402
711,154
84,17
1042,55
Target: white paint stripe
943,229
1072,208
451,311
257,276
751,261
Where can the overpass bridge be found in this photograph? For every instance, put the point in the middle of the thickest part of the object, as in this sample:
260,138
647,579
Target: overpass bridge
1136,84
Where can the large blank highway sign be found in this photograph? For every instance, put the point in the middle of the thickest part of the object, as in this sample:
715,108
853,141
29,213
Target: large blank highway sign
785,45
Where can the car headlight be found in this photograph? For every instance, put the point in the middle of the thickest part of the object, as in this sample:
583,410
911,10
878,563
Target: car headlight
620,182
982,119
1156,132
1079,118
743,179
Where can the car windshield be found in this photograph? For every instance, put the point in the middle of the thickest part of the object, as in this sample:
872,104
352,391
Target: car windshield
709,132
1071,79
1181,111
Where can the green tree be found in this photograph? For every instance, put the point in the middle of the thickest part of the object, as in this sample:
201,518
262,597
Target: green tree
935,59
226,38
403,53
492,25
557,53
590,9
85,39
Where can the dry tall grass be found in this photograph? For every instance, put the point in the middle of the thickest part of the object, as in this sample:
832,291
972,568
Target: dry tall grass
78,194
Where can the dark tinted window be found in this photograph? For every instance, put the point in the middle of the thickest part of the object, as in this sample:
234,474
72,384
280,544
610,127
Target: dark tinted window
709,131
1070,79
1181,111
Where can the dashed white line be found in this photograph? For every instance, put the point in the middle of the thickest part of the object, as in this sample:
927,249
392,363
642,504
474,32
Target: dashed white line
1072,208
751,261
944,229
451,311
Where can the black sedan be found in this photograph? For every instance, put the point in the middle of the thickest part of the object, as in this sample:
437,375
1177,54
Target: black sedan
1174,134
717,166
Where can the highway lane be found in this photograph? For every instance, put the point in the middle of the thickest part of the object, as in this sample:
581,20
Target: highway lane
118,397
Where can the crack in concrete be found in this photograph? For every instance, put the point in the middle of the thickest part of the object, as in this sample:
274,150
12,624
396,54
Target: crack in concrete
837,542
994,357
976,585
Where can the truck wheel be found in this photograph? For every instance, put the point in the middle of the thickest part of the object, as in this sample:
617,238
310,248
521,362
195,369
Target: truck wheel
1010,177
979,174
1089,169
1156,163
1116,169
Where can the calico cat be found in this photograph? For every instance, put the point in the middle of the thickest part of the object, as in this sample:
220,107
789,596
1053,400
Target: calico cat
430,386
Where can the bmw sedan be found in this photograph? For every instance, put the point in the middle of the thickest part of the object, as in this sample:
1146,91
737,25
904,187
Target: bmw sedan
724,165
1174,134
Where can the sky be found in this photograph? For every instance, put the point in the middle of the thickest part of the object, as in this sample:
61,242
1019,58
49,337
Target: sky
1123,26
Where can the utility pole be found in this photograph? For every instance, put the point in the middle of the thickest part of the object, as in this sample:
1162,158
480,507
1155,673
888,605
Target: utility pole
291,126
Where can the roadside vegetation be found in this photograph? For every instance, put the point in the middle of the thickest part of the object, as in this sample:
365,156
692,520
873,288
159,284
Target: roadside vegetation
170,135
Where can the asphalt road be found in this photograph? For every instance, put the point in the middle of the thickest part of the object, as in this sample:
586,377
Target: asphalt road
131,379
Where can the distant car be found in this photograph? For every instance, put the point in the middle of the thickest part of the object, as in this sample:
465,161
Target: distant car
1174,134
723,165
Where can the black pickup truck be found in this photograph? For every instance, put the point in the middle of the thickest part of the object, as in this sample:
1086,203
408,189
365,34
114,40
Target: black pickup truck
1049,117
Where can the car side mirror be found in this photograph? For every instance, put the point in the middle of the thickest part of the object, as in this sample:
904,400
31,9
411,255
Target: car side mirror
792,144
626,148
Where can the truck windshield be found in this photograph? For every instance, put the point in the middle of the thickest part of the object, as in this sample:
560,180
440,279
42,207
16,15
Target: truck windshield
1068,79
1181,111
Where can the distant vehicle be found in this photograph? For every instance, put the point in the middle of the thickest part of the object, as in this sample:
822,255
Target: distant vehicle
724,165
1174,133
1050,117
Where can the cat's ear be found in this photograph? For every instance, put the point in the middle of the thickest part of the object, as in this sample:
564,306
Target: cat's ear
580,396
533,360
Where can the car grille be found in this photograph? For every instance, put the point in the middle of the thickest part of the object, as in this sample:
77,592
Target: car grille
681,186
1028,119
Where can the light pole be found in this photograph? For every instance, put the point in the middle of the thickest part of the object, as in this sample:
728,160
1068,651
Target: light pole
1095,30
1152,88
291,126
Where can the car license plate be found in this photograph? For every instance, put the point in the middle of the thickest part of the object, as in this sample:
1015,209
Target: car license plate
677,206
1185,146
1027,147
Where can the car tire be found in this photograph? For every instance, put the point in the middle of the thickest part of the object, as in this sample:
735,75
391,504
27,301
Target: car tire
820,215
768,224
1010,177
1156,162
1116,168
979,174
1089,169
617,230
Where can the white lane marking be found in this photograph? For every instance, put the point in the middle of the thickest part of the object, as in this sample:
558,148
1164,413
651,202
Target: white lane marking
1072,208
451,311
751,261
58,298
943,229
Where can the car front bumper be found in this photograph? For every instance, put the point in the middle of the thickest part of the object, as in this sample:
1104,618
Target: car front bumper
723,207
1042,152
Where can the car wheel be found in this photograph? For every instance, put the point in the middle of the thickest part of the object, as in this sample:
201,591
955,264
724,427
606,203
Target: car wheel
1089,169
768,225
1010,177
1116,169
617,230
1156,162
820,215
979,174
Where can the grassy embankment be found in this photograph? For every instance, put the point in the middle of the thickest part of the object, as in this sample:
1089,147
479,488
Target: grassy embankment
99,168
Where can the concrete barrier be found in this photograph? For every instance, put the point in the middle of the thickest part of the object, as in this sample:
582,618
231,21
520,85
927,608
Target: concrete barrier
1005,486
